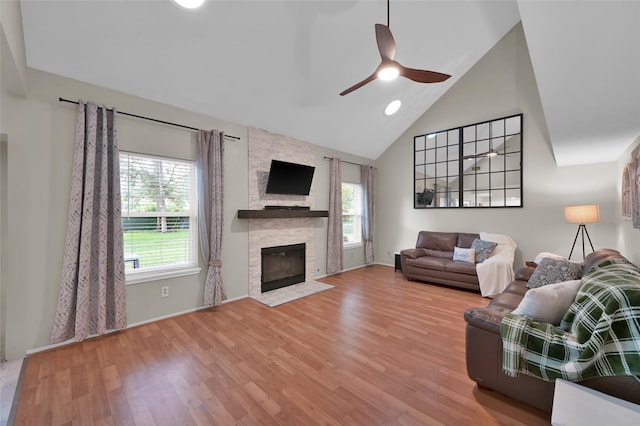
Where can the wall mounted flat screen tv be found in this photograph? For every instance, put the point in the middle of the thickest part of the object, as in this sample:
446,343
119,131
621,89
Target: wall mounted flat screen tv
289,178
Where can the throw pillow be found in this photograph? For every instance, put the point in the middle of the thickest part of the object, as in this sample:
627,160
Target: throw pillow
464,255
551,271
549,303
483,249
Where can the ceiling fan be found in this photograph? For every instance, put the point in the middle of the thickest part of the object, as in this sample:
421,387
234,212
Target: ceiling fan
389,68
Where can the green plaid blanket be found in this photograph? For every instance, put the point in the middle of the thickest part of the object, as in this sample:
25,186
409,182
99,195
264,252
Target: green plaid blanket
598,336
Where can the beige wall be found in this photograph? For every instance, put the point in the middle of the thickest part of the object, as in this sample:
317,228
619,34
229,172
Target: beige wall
39,132
500,84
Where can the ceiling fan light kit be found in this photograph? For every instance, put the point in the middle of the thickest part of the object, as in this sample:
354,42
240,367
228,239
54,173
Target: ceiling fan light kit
190,4
389,68
388,73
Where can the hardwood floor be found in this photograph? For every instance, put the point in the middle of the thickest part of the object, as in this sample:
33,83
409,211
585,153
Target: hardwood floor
374,350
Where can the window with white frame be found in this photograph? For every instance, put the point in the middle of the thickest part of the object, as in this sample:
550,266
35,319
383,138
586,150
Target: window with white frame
159,216
351,214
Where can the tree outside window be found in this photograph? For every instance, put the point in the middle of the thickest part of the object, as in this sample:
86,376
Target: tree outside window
351,214
158,213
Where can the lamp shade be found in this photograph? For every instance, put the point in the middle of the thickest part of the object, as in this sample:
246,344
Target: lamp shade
582,214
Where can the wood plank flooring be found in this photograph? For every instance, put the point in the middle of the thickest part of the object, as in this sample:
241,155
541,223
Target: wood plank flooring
375,350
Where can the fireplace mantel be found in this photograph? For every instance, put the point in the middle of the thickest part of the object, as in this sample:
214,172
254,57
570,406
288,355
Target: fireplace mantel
280,214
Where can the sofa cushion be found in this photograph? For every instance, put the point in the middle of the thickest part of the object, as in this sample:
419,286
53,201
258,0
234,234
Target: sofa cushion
465,240
508,301
517,287
551,271
549,303
438,253
467,255
524,274
428,262
461,268
444,241
483,249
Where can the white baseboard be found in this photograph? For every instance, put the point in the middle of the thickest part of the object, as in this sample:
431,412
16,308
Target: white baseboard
136,324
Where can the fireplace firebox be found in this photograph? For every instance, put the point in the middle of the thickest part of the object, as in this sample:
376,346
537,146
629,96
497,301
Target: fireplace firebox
282,266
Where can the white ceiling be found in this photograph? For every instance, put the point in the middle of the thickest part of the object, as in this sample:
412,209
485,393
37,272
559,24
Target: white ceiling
279,65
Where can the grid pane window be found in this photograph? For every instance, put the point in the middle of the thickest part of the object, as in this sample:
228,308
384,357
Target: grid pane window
159,218
470,166
351,213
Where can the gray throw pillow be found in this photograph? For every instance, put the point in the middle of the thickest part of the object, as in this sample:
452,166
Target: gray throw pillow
551,271
483,249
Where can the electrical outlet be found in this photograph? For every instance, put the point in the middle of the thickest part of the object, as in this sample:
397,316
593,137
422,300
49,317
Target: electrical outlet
164,291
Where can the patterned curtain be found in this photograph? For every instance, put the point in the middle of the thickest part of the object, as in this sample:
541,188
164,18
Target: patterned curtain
368,177
92,296
334,237
210,211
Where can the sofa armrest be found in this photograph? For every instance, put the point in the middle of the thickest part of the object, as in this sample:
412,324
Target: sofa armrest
488,319
413,253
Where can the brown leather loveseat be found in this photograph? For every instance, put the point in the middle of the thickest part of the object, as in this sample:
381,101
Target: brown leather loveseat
481,262
432,260
484,352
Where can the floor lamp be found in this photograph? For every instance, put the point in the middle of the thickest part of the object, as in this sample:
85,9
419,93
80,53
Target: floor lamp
582,215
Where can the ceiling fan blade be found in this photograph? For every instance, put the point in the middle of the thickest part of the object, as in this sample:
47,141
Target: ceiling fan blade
422,76
386,43
359,85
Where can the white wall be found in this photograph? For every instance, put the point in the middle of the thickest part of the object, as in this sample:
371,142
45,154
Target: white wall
500,84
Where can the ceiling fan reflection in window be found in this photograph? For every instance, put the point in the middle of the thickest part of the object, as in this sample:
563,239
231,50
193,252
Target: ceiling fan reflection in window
389,68
491,153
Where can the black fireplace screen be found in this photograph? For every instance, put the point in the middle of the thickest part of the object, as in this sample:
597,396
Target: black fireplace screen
282,266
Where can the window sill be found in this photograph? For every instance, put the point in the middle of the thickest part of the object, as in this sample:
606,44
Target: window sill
143,277
352,246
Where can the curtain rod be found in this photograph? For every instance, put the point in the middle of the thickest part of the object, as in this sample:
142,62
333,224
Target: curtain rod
345,161
152,119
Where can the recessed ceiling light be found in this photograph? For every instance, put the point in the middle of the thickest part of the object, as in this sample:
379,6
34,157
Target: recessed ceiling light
190,4
393,107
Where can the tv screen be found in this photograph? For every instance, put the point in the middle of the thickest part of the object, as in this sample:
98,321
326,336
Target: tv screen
289,178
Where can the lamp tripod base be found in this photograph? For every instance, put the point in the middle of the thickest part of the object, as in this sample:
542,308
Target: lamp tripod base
582,229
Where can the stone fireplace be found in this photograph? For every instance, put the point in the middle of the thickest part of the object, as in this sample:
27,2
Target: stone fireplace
282,266
263,233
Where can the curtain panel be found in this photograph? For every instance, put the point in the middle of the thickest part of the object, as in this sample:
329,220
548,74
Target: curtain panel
368,176
92,297
334,232
210,170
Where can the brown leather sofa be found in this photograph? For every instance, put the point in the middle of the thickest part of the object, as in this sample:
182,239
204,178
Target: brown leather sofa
432,260
484,349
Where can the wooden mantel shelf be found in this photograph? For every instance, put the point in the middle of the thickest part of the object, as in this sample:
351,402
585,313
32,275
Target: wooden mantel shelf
280,214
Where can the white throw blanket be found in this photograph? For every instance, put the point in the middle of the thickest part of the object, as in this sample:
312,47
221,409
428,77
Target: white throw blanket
495,273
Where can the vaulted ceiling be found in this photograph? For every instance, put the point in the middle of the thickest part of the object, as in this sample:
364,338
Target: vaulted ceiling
280,65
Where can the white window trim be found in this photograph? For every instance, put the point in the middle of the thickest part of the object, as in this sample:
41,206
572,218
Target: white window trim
137,277
354,245
133,276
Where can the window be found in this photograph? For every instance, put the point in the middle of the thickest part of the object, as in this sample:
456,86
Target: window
351,214
159,216
478,165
